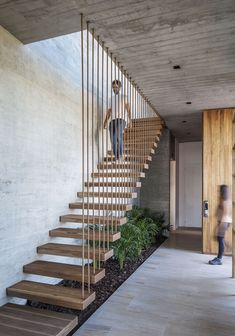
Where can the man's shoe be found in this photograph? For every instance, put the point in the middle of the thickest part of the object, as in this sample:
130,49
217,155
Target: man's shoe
215,261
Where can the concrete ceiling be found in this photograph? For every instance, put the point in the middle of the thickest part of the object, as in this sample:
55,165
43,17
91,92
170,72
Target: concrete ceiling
149,37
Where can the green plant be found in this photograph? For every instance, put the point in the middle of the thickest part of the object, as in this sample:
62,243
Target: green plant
138,234
129,245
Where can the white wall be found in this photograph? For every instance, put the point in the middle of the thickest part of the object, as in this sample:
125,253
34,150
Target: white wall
40,145
190,184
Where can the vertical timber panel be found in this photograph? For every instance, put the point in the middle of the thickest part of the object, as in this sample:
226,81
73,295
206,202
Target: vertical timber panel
233,197
217,170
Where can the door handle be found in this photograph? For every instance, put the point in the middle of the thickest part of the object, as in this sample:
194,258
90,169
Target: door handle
205,209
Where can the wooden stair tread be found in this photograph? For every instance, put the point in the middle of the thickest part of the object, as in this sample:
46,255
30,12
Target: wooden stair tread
130,158
101,206
119,174
93,219
63,271
143,129
138,151
146,124
74,251
113,184
144,141
105,194
149,119
78,234
123,166
142,134
19,320
127,156
56,295
140,144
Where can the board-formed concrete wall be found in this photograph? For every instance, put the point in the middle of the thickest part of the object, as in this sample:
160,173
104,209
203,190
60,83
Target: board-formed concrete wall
40,146
155,190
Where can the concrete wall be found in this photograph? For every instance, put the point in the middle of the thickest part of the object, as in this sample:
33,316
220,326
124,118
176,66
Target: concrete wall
155,191
190,184
40,146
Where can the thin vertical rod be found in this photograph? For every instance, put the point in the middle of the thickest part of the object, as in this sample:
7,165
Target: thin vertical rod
88,156
126,118
136,115
119,148
107,105
83,159
93,149
123,140
116,175
111,103
102,119
99,125
132,154
131,159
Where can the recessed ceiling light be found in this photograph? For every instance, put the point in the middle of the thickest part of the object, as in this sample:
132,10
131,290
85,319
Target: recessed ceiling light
176,67
184,121
188,103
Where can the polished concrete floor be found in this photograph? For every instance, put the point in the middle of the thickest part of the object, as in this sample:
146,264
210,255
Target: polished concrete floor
174,293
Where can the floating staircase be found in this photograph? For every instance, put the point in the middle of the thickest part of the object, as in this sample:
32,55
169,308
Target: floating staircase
114,185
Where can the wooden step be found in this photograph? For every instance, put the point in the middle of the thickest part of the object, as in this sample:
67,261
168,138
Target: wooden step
104,174
93,219
74,251
63,271
139,144
142,139
122,165
139,152
104,194
19,320
101,206
110,153
56,295
113,184
149,119
78,234
146,122
143,127
144,152
146,125
130,158
142,133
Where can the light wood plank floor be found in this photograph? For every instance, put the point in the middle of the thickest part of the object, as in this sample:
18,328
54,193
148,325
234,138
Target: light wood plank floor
174,293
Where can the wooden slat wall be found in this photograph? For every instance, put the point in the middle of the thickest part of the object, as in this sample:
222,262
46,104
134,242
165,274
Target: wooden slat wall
217,169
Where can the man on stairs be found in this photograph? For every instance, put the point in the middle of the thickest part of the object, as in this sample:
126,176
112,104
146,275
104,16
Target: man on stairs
120,114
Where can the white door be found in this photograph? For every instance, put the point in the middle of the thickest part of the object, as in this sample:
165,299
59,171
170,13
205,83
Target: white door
190,185
192,214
